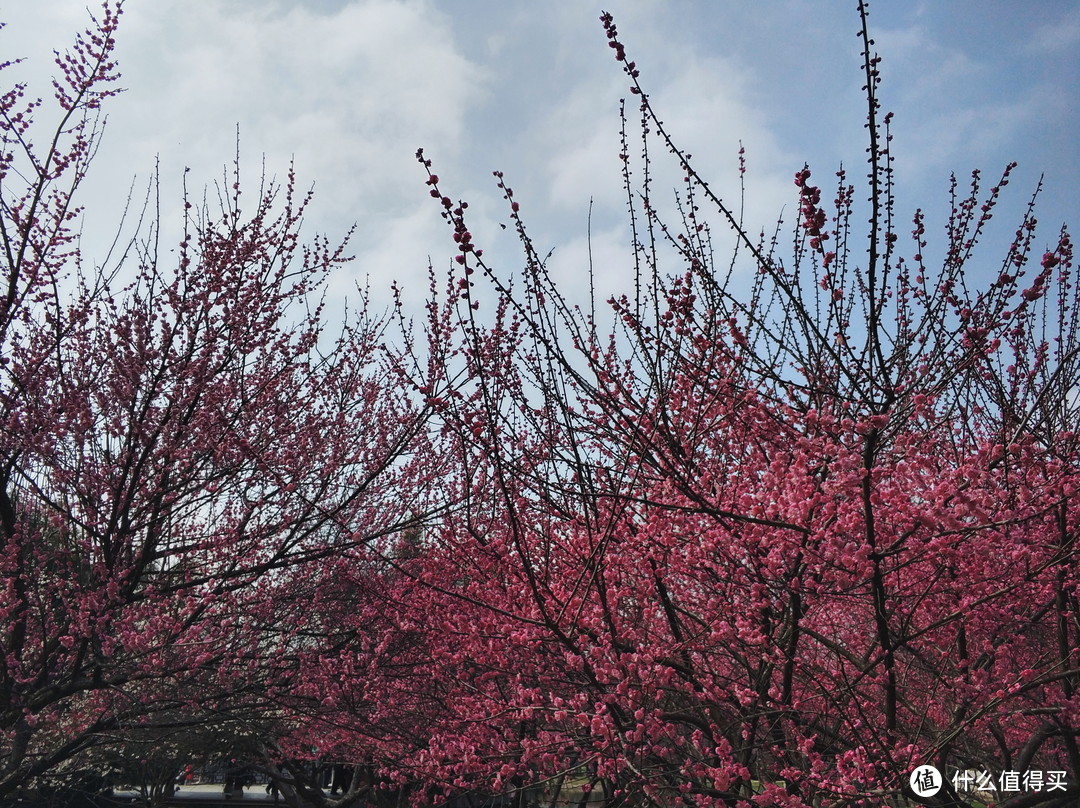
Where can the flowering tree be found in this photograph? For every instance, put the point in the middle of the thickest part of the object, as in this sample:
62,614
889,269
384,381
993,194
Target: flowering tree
176,434
793,527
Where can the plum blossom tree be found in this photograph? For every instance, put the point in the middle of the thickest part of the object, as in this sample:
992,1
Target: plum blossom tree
797,524
177,432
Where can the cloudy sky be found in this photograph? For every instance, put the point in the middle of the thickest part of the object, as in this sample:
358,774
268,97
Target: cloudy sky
349,89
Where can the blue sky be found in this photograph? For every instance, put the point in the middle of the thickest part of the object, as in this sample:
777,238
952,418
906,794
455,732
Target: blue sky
349,90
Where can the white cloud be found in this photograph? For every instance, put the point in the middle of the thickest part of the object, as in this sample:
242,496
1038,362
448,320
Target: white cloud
1060,38
350,89
348,93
